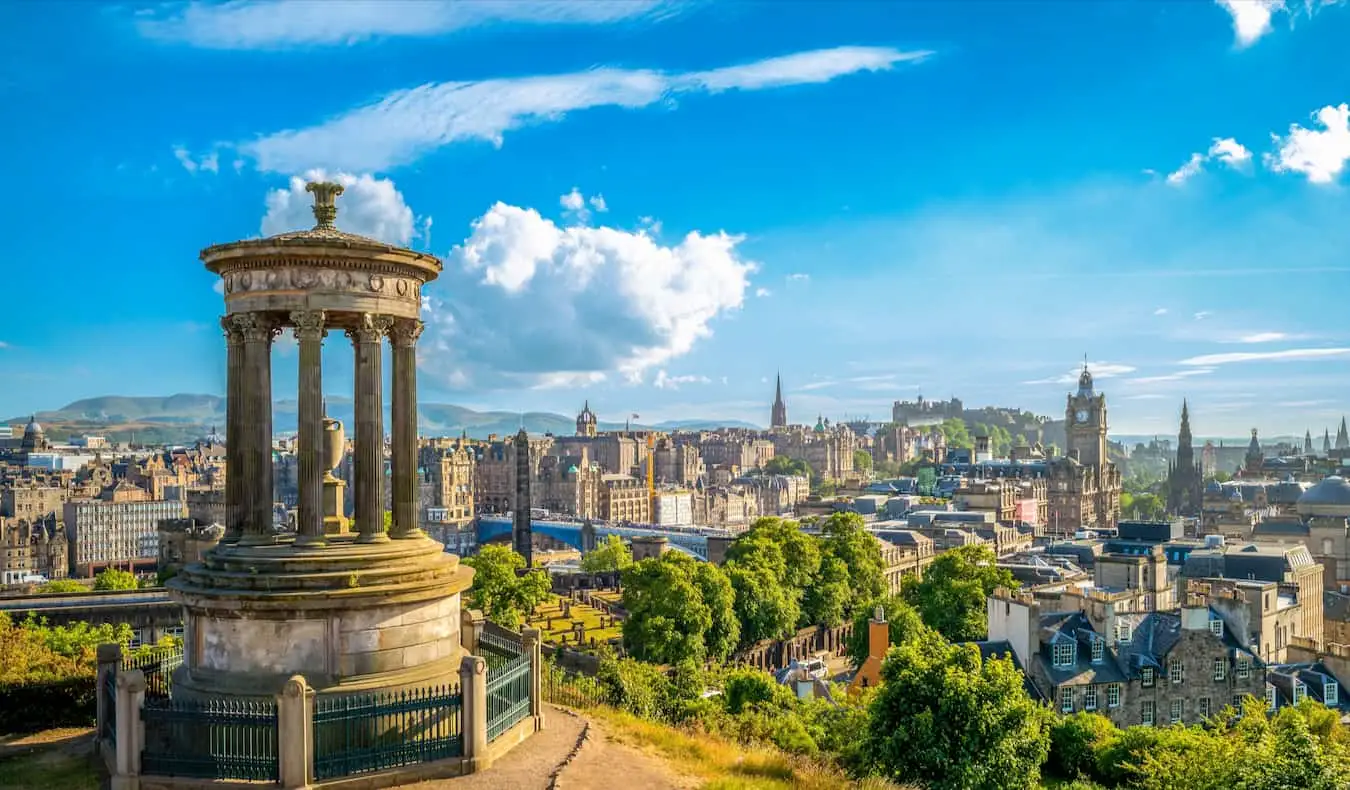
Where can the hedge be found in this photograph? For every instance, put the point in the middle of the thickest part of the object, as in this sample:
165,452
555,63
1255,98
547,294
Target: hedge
72,702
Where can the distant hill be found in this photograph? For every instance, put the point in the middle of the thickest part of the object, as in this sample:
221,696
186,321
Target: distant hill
184,418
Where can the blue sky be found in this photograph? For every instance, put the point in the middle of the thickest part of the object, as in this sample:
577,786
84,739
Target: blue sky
658,205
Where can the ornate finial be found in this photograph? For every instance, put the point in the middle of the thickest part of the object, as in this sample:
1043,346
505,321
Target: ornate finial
325,202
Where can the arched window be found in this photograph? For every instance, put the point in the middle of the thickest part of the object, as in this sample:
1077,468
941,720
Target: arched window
1328,546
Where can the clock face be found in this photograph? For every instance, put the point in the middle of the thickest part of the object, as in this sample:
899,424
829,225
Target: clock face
1082,415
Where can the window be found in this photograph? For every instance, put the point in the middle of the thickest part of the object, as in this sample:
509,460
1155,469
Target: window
1331,693
1270,697
1065,654
1175,671
1146,712
1066,699
1237,702
1244,669
1147,675
1220,669
1177,707
1113,695
1216,627
1123,631
1090,698
1300,691
1204,707
1098,648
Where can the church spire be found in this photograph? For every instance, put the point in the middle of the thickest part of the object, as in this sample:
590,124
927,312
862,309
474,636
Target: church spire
1342,438
778,417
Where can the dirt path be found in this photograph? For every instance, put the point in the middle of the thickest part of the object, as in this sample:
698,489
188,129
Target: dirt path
606,764
529,766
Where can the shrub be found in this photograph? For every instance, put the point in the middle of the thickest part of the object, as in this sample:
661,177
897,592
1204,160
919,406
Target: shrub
1074,742
32,707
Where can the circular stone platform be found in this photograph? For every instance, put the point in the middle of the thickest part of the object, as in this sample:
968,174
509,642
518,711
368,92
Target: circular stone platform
349,617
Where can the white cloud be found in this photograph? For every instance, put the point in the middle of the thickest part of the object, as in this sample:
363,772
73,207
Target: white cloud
219,287
271,24
1146,396
665,381
1225,149
763,292
209,163
406,124
1160,311
798,277
1099,370
817,385
1251,18
1265,356
1262,337
577,206
598,203
1175,376
1320,155
368,206
1202,315
524,301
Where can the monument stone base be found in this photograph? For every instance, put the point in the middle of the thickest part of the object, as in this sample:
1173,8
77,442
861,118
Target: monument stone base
350,618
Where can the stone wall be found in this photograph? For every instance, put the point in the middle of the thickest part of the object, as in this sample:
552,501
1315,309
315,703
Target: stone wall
774,654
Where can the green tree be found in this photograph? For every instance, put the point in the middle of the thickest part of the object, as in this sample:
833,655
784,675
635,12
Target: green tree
115,579
826,601
765,607
903,621
954,431
780,545
678,610
62,586
948,720
845,536
783,465
504,594
611,555
862,460
951,595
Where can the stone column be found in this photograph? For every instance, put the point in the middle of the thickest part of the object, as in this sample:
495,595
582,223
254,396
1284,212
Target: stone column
109,657
530,640
309,331
256,426
473,710
368,460
295,733
234,412
130,697
403,338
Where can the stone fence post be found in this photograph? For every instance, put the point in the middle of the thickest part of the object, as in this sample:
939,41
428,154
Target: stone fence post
530,639
130,735
295,733
473,713
109,659
470,628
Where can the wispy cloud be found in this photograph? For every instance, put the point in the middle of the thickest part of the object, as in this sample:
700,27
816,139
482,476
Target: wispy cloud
1261,337
1099,370
278,24
208,163
665,381
1175,376
1226,150
407,124
1209,360
1318,154
1160,311
817,385
1202,315
1146,396
798,277
763,292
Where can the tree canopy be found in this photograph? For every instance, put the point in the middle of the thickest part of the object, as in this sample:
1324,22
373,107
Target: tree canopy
952,593
783,465
62,586
903,620
503,594
611,555
950,720
862,460
115,579
678,610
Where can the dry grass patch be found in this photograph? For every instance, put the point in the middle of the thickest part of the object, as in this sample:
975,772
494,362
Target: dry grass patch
725,765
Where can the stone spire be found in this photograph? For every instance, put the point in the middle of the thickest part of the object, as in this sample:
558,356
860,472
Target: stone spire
778,419
1326,442
1342,438
1307,442
325,203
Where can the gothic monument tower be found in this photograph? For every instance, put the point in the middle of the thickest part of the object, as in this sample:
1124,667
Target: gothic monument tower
521,538
1185,478
779,416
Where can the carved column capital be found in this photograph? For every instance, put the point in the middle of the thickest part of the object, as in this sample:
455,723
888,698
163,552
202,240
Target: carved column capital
233,336
405,332
255,327
370,328
309,324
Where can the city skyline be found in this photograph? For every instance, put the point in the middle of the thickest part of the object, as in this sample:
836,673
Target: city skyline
876,204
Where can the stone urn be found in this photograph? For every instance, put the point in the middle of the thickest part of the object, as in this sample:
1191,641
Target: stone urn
334,444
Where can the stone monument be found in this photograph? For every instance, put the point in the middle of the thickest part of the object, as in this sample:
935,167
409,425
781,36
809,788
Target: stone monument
350,611
334,488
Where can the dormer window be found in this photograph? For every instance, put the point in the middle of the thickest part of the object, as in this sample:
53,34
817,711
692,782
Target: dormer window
1331,693
1098,650
1216,627
1300,691
1065,654
1123,632
1270,697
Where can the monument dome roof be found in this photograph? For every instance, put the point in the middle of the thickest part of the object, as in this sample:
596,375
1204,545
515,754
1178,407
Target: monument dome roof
1333,491
33,428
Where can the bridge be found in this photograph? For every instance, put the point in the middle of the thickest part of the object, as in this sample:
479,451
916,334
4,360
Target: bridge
690,540
150,613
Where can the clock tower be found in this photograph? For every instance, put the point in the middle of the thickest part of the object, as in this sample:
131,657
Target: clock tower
1085,423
